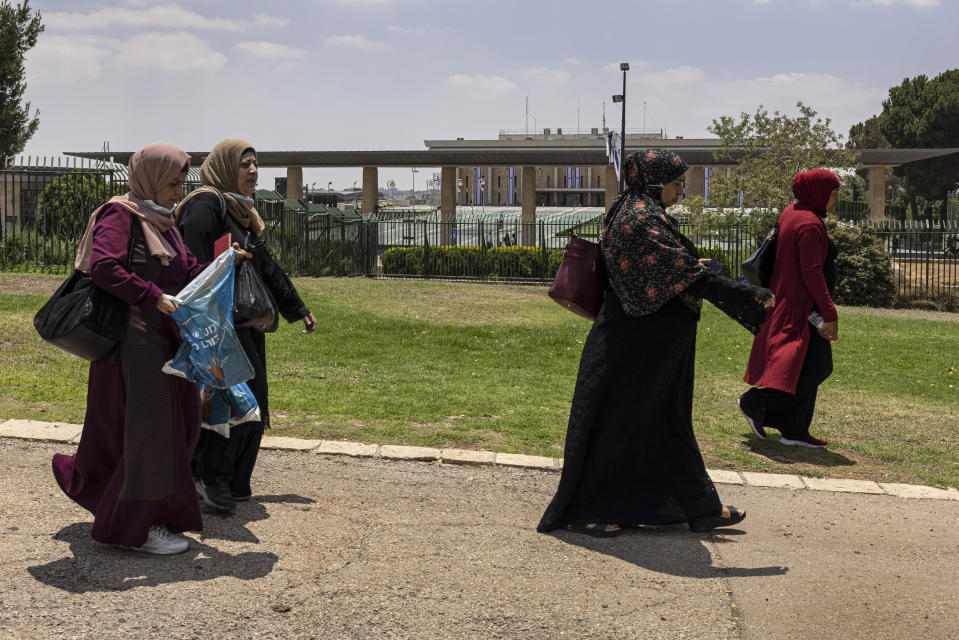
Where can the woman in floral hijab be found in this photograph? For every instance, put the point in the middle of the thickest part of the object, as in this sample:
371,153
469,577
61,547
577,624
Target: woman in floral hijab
631,456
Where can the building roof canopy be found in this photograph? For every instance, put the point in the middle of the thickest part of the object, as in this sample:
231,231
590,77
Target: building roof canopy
565,153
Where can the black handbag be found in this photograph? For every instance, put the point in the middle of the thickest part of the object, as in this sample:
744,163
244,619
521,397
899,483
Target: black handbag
253,304
758,268
83,319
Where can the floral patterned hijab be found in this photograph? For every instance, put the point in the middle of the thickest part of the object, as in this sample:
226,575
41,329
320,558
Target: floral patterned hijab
647,259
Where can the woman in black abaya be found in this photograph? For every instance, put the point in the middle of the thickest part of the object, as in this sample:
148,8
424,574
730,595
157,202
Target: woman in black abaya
631,456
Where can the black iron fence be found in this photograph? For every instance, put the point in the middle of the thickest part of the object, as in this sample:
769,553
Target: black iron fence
44,209
925,257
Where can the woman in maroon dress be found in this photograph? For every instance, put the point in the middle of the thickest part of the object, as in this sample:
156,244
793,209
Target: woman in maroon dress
790,357
132,466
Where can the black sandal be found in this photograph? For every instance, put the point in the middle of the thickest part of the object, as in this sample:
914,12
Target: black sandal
708,523
595,529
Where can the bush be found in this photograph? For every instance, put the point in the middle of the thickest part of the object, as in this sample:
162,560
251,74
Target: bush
496,262
863,268
720,257
66,203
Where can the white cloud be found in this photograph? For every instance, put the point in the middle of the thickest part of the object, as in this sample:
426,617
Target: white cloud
662,81
365,2
541,76
574,61
286,57
479,86
693,96
170,52
65,58
918,4
168,15
408,30
356,41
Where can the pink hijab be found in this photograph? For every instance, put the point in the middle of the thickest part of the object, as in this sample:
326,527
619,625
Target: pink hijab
150,168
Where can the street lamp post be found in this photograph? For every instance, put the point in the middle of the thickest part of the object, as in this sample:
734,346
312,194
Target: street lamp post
624,67
413,195
483,192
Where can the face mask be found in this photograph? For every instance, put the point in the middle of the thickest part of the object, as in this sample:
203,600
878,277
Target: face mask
238,196
154,205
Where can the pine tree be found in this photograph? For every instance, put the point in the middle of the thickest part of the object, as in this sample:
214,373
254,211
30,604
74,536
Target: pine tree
18,34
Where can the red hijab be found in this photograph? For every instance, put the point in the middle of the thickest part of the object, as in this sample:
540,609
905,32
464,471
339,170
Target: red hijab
813,188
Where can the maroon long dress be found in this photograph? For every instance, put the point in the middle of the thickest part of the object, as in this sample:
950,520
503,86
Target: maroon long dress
132,466
799,283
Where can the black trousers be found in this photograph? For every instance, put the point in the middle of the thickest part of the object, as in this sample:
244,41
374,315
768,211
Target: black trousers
792,413
229,462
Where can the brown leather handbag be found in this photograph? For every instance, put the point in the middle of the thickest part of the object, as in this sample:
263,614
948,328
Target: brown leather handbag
580,279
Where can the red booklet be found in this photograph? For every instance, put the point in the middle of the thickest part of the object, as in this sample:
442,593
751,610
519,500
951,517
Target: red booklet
221,245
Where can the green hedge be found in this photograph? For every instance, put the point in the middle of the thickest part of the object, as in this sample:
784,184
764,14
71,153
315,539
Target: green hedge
497,262
492,263
863,267
721,258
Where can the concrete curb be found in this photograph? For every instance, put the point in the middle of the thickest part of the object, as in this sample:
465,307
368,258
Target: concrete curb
70,434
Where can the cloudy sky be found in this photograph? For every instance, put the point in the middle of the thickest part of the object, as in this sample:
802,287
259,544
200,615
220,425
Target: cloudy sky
389,74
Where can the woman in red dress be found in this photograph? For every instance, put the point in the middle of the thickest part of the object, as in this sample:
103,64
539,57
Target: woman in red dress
791,357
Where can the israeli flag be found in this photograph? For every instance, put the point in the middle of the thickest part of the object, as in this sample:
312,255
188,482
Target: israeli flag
609,145
617,160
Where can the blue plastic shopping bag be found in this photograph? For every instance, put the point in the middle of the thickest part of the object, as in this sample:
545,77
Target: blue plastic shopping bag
223,408
210,354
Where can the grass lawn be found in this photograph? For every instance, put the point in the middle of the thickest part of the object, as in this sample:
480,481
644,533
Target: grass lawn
492,367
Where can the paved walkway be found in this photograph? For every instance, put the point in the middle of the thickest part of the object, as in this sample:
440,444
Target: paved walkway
375,545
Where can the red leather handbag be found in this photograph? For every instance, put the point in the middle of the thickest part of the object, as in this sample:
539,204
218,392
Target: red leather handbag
580,279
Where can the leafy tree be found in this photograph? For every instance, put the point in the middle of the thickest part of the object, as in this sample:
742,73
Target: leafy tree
923,113
771,149
868,135
67,202
18,34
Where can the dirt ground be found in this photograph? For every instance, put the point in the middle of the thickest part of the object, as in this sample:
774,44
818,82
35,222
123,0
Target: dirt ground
29,282
333,547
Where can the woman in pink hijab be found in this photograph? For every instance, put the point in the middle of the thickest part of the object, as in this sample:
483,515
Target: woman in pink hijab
131,469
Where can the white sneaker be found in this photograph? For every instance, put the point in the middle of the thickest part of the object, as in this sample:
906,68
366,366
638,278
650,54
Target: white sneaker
162,542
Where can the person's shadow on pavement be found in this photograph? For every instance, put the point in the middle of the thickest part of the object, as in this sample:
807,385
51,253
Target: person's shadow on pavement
672,550
791,455
232,526
98,567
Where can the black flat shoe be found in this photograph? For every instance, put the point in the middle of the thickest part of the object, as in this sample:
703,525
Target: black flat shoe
595,529
708,523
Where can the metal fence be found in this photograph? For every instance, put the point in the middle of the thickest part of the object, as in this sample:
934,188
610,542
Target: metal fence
925,256
44,208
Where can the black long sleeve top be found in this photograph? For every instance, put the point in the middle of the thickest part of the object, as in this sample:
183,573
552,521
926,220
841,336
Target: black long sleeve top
204,219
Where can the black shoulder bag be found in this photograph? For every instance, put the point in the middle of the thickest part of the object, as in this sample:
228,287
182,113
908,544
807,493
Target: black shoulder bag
253,303
758,268
83,319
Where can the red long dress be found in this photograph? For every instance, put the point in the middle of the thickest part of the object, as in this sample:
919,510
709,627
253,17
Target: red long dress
798,283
